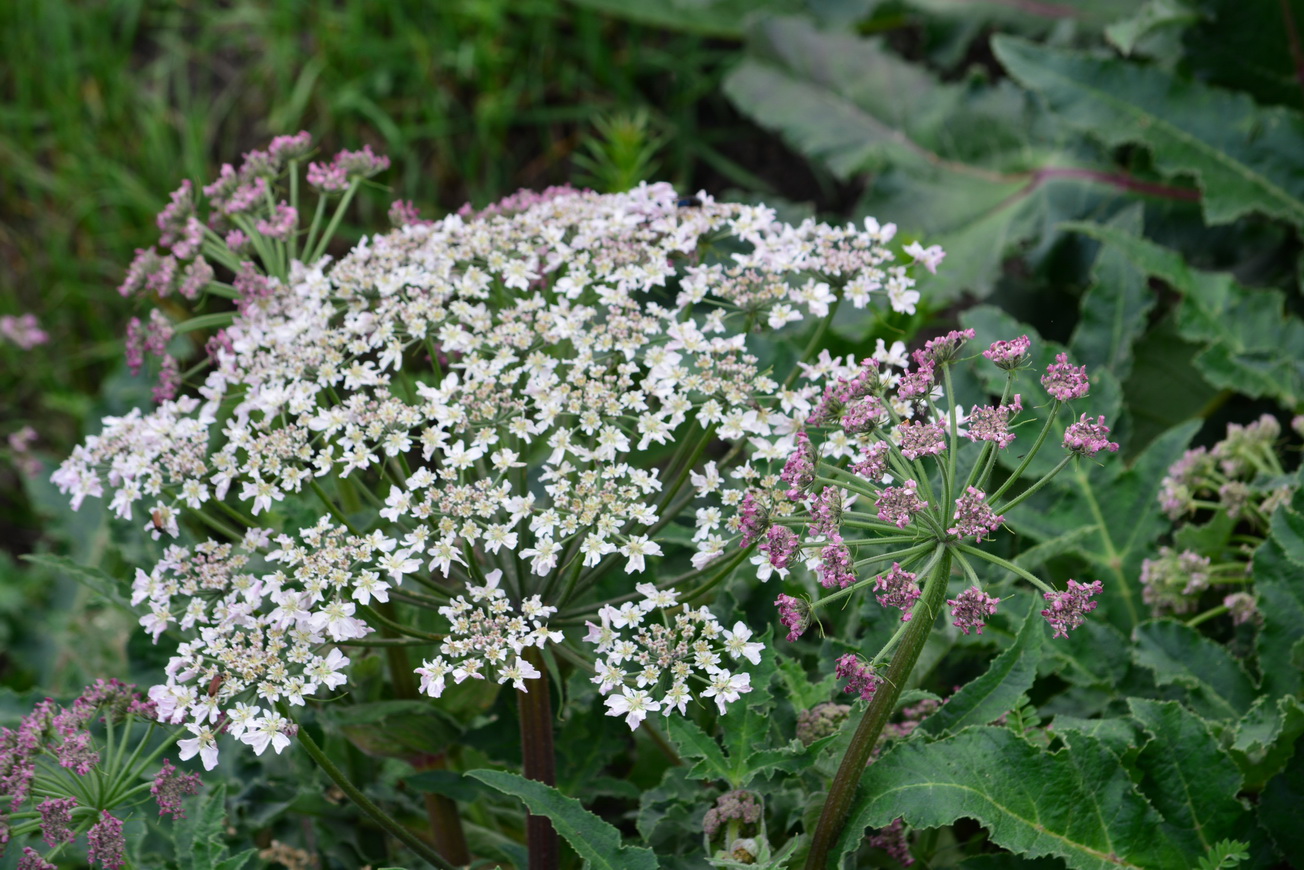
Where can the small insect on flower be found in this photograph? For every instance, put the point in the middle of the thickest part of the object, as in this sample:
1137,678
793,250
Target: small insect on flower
689,201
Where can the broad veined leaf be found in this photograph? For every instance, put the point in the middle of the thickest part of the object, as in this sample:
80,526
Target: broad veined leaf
1121,736
1265,738
1113,311
1187,776
1077,804
692,742
1251,343
724,18
1218,687
951,160
1279,807
1245,158
593,839
1277,570
1010,675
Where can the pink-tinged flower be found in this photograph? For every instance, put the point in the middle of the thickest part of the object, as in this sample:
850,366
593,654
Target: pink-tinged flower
293,147
403,213
271,730
835,566
281,224
799,470
945,348
1065,381
361,164
917,382
863,416
974,517
872,464
738,643
780,544
862,680
23,330
899,504
972,608
328,177
195,278
920,439
433,674
1068,609
1172,582
107,845
56,820
633,704
1009,355
31,859
897,588
1243,608
893,840
170,786
794,615
992,423
1087,439
930,257
826,514
753,518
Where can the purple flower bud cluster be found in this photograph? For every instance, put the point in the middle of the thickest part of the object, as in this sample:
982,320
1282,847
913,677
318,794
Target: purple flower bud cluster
872,464
897,588
170,786
974,518
1086,438
971,609
826,514
899,504
861,678
992,423
1009,355
921,439
820,721
835,569
1065,381
107,845
794,615
799,471
1068,609
780,544
945,349
753,518
740,805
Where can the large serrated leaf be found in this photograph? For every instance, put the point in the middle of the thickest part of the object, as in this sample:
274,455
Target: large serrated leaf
1265,738
1077,804
1218,687
1281,602
395,729
1244,158
1252,344
692,742
594,840
1010,675
1187,776
1113,311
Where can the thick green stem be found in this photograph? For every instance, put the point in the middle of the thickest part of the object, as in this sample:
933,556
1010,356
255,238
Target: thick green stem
540,760
843,789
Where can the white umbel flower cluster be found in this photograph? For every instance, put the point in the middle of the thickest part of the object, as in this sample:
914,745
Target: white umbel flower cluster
493,383
658,662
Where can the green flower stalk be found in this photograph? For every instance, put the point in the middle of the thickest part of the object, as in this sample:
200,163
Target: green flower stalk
77,766
887,435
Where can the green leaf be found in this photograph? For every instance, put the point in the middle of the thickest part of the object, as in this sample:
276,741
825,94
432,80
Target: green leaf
394,729
594,840
692,742
1187,776
722,18
1279,807
1113,311
1119,735
1077,804
94,579
1152,17
1218,686
950,159
200,837
1277,573
1010,675
1244,158
1265,738
1252,345
802,691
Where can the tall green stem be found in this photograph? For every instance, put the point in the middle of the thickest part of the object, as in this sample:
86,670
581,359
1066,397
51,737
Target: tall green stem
834,816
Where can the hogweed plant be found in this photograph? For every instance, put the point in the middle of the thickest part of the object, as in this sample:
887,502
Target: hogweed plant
886,488
83,769
454,441
1221,500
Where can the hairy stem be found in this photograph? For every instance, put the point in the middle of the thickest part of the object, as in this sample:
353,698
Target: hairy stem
540,761
834,816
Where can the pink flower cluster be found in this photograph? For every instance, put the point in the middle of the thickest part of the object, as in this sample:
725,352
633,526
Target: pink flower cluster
971,609
974,518
1069,608
862,679
1086,438
897,588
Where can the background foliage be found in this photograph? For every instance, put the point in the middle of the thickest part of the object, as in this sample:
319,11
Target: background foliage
1125,179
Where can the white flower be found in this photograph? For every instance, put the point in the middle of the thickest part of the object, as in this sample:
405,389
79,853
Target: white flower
930,257
204,743
735,643
727,688
432,675
636,549
267,731
518,673
634,705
